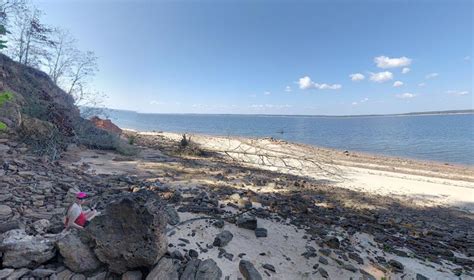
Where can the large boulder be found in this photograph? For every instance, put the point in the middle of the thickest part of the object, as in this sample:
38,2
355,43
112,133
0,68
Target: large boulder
77,255
106,125
131,232
22,250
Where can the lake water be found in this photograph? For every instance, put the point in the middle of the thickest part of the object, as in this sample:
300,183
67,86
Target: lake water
443,138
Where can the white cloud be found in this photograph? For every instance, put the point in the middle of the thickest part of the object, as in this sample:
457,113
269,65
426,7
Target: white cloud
405,95
405,70
421,84
267,93
381,77
306,83
431,76
270,106
458,92
398,84
287,89
156,102
356,77
355,103
387,62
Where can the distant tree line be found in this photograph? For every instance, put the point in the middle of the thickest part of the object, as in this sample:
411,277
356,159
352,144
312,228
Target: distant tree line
27,40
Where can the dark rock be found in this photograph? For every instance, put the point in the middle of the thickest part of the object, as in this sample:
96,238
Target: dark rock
261,232
131,232
42,273
223,238
325,251
396,265
323,272
7,226
421,277
269,267
356,257
349,267
219,223
172,215
323,260
248,271
366,275
310,252
176,254
193,254
208,270
247,222
190,270
332,242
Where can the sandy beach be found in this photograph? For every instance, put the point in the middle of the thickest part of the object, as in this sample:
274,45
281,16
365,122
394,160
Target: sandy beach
406,196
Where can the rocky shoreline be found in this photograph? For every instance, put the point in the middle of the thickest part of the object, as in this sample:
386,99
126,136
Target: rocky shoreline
226,220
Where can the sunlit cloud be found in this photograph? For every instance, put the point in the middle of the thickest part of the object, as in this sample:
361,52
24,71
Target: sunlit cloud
306,83
387,62
355,103
287,89
356,77
267,93
422,84
405,70
398,84
381,77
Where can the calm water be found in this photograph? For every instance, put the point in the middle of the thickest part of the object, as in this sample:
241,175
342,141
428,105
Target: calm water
444,138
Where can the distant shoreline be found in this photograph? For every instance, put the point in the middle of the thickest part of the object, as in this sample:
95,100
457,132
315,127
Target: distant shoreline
410,114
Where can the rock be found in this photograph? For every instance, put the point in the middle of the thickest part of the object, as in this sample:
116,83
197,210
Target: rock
42,273
356,257
421,277
21,250
78,277
132,275
323,272
323,260
247,222
193,254
310,252
332,242
65,274
41,226
248,271
208,270
131,232
165,269
261,232
78,257
98,276
396,265
219,224
269,267
5,212
17,274
223,238
4,227
172,214
325,251
349,267
4,273
176,254
190,270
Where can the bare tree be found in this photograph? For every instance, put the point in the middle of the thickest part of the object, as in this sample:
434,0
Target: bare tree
62,56
82,70
30,38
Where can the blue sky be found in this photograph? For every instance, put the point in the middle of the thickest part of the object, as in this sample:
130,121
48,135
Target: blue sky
276,57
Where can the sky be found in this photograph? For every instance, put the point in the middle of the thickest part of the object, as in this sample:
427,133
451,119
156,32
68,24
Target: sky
276,57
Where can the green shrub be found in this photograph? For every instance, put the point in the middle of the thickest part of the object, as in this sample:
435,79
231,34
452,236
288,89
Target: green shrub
3,127
131,139
5,96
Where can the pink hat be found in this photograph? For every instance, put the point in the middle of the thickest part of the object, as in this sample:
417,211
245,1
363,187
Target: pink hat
81,195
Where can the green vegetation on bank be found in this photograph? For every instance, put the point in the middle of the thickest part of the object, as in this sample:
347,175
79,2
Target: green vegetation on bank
5,96
3,126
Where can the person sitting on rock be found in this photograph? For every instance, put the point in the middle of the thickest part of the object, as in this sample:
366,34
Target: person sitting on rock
76,217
